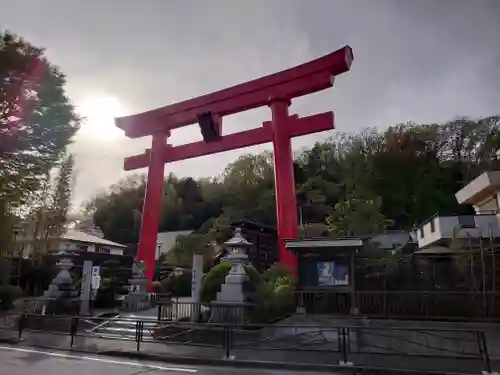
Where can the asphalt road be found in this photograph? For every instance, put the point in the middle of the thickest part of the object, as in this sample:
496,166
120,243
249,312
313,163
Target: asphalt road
26,361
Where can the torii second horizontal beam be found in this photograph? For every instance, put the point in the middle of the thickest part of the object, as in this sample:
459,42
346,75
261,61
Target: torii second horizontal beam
296,127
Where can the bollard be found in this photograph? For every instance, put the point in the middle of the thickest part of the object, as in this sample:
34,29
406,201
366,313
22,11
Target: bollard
483,350
343,338
226,343
73,330
21,325
139,330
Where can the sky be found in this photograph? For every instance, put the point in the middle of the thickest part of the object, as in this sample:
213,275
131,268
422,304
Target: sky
425,61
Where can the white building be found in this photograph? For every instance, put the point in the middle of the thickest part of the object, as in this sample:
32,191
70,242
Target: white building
166,240
76,240
483,193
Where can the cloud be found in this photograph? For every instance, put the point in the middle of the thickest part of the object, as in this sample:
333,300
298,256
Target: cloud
420,61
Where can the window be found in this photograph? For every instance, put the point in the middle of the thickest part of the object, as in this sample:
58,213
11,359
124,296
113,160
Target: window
433,226
82,247
467,221
422,232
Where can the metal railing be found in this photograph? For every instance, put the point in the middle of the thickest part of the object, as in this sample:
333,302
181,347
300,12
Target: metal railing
403,304
391,347
182,311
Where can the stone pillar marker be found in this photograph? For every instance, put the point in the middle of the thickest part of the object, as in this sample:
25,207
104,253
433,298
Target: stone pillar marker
86,288
230,303
197,275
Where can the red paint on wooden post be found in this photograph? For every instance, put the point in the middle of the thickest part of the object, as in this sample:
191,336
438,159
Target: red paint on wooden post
286,201
151,207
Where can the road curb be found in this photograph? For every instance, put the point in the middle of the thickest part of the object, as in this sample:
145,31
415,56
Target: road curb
183,360
222,362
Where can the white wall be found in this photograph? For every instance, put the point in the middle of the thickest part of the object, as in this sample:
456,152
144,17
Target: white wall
166,240
447,227
116,251
70,245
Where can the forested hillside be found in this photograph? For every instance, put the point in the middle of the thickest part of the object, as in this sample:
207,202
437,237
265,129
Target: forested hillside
353,184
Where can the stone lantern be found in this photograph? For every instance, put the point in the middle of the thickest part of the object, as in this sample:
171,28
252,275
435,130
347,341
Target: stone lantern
63,280
231,301
61,297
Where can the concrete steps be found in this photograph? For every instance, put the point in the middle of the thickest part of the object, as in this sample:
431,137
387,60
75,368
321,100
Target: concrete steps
124,327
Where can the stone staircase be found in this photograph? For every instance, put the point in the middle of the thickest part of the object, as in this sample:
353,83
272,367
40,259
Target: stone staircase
124,327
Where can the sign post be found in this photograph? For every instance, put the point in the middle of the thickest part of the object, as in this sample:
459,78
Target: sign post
95,281
86,288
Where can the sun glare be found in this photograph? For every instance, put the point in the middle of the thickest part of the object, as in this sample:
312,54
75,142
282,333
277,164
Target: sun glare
100,112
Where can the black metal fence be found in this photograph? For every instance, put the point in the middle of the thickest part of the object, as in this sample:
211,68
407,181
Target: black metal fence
386,347
402,304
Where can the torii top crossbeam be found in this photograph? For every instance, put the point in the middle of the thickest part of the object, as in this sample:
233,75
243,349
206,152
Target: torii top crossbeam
304,79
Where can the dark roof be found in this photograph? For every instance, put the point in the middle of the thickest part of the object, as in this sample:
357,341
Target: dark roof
253,226
323,242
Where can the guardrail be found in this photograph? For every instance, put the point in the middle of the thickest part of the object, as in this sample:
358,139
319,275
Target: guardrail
391,347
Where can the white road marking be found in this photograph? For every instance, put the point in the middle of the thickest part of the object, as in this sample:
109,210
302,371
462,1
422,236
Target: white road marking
102,360
103,323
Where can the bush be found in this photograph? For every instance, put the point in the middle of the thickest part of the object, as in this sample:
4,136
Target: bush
212,281
178,286
284,299
273,303
8,294
108,290
156,287
275,297
279,273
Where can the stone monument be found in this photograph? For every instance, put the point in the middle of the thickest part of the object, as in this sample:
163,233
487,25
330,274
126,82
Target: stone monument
61,296
138,297
230,304
62,279
196,278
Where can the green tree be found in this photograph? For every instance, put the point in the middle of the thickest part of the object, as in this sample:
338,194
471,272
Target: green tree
62,191
188,245
249,189
37,122
357,217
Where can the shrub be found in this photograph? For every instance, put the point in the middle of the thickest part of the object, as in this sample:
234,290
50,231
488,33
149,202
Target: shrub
277,272
108,290
212,281
284,299
156,286
178,286
8,294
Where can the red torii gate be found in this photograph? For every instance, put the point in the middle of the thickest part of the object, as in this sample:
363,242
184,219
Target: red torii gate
276,91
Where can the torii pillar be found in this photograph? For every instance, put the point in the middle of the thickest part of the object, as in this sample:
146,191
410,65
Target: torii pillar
276,91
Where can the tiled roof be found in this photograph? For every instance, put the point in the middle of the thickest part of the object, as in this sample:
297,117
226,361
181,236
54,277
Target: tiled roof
79,236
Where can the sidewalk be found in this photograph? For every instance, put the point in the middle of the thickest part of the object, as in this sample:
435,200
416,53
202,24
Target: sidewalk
258,358
151,351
